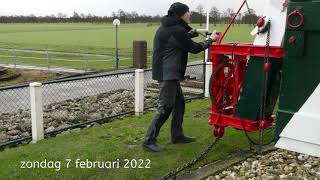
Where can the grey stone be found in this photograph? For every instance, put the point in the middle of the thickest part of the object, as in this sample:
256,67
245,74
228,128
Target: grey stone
64,125
287,169
49,129
210,178
12,127
307,165
25,114
303,157
283,176
59,115
25,134
13,132
4,137
14,137
25,126
246,165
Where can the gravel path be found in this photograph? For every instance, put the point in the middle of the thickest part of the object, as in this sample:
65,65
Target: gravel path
279,164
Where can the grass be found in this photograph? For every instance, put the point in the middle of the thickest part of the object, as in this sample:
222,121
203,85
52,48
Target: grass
121,140
91,38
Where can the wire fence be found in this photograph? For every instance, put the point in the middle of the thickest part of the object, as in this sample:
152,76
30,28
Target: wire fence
82,101
52,59
86,62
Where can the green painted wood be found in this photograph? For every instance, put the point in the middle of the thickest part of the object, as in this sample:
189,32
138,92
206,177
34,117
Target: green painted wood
249,104
311,12
295,48
301,64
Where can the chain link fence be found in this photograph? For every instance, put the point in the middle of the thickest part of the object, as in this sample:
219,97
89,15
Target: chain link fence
80,102
192,86
88,98
15,118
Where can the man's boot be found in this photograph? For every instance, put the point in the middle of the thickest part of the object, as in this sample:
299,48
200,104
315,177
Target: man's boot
153,147
183,139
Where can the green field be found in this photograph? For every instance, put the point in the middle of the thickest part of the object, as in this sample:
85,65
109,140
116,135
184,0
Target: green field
89,38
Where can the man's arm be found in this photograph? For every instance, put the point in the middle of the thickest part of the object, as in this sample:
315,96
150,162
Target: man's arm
184,42
193,33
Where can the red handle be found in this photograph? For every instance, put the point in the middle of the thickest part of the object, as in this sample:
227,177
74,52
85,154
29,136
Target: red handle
298,14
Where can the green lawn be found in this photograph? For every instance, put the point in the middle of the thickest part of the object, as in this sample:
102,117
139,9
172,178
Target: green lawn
121,140
93,38
90,38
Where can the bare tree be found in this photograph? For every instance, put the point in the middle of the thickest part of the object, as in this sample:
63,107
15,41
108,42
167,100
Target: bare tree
134,16
76,17
239,18
230,13
61,15
200,10
249,17
114,15
122,15
214,14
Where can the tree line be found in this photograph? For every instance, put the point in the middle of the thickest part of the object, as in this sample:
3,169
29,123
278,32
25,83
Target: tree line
199,16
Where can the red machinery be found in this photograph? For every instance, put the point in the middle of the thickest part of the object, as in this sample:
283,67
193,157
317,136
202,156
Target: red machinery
229,64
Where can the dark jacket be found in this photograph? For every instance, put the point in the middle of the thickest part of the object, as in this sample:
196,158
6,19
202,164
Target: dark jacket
172,43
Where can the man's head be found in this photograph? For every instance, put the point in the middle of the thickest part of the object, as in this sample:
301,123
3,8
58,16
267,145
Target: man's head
181,10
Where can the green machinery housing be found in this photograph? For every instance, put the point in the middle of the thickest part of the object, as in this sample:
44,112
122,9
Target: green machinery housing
301,62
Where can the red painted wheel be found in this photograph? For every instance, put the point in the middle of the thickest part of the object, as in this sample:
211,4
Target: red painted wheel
221,85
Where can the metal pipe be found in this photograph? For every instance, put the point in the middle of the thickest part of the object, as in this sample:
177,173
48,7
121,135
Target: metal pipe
231,22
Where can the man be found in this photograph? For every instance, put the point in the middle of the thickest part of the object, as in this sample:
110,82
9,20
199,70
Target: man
172,43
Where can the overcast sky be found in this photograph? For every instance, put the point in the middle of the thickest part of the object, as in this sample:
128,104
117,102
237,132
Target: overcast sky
105,7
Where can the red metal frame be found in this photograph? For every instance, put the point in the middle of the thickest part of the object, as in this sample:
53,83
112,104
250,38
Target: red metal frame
222,120
229,64
246,50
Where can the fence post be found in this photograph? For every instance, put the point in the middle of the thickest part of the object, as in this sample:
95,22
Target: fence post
138,91
36,111
86,65
48,59
14,58
207,78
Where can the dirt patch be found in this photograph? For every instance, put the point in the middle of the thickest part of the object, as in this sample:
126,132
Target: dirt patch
25,76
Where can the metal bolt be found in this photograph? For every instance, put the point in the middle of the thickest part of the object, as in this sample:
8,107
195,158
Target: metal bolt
292,40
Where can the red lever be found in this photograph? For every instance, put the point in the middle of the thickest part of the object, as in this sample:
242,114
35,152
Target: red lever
296,13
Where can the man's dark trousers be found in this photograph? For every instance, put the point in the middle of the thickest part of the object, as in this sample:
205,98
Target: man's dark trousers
171,99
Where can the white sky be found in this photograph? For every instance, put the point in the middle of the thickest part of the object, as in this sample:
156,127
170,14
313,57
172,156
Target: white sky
105,7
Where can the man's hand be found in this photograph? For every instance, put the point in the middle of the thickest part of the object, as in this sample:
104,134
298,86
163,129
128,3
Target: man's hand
214,36
203,32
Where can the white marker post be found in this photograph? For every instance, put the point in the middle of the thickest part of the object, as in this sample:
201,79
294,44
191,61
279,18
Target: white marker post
139,91
116,23
36,111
